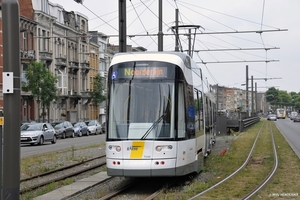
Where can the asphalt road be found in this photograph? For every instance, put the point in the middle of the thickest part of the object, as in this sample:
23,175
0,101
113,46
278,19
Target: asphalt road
291,132
289,129
61,144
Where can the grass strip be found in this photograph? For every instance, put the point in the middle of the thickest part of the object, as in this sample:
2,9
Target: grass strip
284,182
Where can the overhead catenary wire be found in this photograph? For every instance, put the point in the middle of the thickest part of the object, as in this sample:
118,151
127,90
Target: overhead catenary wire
235,17
266,52
138,17
215,80
137,39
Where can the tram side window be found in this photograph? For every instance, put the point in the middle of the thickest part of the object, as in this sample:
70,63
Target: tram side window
207,115
198,111
190,112
181,112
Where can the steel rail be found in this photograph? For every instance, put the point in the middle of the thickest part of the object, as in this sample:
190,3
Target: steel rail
270,175
31,188
234,173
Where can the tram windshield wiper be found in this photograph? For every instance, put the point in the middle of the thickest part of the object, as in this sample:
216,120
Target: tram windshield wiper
155,123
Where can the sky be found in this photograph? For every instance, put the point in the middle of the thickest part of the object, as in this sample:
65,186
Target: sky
263,34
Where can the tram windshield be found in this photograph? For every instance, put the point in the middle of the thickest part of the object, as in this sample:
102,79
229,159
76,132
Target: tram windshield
141,108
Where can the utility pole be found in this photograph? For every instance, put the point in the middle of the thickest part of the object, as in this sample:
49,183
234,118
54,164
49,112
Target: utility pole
160,33
247,100
11,100
122,26
252,97
190,43
256,107
176,31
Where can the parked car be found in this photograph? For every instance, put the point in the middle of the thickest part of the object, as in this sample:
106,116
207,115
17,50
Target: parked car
37,133
27,122
64,129
80,129
272,117
94,126
103,127
297,118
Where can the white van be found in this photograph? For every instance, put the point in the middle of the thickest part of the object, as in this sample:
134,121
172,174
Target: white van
293,115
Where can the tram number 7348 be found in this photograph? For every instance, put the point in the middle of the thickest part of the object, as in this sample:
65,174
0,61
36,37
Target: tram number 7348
160,120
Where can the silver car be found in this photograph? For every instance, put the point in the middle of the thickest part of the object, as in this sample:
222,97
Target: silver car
94,127
37,133
272,117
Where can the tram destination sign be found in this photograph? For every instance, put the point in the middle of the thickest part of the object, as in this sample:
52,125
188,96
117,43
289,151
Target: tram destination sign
140,72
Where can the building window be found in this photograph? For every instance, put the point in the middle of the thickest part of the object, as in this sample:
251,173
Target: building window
71,50
82,26
44,6
59,14
24,67
25,41
83,52
43,41
62,82
102,65
102,46
58,48
83,83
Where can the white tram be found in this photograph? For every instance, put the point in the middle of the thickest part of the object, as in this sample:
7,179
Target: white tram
160,119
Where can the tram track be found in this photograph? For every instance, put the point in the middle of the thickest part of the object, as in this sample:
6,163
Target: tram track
244,165
146,193
272,172
115,188
40,180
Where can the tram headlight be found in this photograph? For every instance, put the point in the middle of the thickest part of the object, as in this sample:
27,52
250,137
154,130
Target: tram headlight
158,148
165,147
118,148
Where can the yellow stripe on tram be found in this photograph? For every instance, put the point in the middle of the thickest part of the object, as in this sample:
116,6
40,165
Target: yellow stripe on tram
137,149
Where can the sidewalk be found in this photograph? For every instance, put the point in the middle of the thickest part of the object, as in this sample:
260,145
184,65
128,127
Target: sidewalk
74,188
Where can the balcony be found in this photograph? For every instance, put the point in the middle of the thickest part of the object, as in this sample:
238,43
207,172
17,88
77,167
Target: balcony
102,111
63,91
101,55
46,56
103,74
73,66
85,93
61,62
27,55
85,66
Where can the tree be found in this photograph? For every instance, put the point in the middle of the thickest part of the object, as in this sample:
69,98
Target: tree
97,96
285,98
272,95
42,85
297,102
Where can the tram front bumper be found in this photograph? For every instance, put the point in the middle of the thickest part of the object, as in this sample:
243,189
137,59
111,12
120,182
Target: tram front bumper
141,168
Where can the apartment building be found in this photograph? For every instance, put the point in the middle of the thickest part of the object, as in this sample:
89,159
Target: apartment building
231,99
60,39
